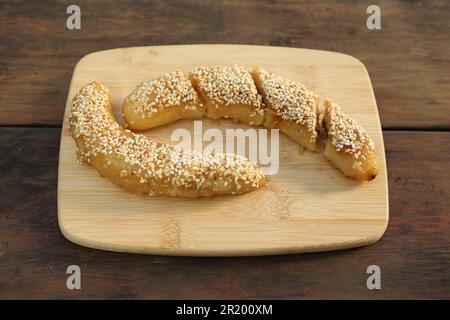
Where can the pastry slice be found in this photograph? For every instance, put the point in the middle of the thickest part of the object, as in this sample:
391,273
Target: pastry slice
290,107
348,146
158,102
229,92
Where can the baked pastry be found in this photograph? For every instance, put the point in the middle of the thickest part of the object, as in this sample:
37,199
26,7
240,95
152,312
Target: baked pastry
348,146
157,102
290,107
140,165
229,92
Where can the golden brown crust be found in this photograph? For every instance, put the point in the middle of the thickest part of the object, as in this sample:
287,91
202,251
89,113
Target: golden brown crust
141,165
348,146
229,92
290,107
157,102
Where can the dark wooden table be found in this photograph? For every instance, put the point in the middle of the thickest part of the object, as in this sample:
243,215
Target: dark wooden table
409,63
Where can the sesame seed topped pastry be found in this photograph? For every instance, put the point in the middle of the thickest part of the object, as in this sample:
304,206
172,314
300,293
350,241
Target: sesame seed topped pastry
157,102
290,107
348,146
140,165
229,92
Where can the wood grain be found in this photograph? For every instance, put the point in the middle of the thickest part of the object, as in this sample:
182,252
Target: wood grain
287,216
408,59
413,254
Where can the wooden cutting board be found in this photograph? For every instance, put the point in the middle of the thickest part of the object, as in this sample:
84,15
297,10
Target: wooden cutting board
308,206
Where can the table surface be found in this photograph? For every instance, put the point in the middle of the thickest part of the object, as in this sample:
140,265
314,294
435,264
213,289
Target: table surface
408,61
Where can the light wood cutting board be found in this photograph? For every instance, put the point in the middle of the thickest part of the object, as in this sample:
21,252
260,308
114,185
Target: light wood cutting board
308,206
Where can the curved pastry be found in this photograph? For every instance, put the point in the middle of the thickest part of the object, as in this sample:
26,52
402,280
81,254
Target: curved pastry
140,165
157,102
229,92
290,107
348,146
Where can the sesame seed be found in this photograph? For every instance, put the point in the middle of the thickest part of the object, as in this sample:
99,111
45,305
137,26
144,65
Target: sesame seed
123,173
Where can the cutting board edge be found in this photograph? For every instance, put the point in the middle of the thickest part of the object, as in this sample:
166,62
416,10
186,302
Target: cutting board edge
241,252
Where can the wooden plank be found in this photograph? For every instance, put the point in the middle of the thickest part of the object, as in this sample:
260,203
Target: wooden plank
286,216
408,59
413,254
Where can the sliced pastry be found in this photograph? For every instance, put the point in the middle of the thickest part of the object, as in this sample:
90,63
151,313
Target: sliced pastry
229,92
157,102
290,107
348,146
